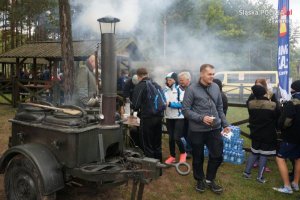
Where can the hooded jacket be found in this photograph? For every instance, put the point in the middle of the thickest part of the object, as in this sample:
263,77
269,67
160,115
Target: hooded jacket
174,109
263,117
197,104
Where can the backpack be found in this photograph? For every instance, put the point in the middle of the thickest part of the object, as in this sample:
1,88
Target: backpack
156,98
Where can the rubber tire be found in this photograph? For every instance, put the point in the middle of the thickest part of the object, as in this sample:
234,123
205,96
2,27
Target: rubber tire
22,181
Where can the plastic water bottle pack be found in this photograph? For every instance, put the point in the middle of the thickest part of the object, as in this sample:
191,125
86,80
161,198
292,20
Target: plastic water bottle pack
233,147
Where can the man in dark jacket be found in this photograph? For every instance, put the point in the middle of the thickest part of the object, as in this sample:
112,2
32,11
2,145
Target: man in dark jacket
129,87
224,97
289,123
150,124
202,105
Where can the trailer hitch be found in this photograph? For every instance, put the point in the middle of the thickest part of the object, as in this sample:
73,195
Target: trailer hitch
156,164
178,166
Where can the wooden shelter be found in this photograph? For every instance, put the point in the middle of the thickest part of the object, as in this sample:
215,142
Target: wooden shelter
39,56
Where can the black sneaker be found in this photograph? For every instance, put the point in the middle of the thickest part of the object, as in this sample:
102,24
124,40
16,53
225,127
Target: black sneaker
246,175
189,155
200,187
214,187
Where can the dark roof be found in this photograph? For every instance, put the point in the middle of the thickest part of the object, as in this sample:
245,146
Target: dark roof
52,50
27,61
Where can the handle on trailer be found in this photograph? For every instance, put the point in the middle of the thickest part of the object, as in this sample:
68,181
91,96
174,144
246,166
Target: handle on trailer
64,110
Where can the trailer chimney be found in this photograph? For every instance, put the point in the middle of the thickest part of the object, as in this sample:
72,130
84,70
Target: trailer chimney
108,68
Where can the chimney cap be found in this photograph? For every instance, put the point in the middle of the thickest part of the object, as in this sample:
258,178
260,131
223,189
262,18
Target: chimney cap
108,19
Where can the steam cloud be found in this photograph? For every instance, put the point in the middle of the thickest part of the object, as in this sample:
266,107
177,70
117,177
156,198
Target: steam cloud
144,20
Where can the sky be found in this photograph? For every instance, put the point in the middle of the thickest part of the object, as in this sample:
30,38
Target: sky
295,17
294,6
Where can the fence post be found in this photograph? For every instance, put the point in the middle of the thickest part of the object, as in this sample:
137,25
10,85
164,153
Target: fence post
14,91
241,93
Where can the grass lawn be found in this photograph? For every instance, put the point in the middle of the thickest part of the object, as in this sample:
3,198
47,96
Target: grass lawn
4,101
173,186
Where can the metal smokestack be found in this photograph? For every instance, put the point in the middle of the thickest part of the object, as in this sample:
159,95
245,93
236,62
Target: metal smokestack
108,68
108,77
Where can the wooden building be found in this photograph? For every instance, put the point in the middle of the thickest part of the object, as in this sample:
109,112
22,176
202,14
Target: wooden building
37,57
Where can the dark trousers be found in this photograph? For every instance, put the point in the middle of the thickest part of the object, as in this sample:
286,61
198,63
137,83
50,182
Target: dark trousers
188,147
134,137
213,141
175,131
151,132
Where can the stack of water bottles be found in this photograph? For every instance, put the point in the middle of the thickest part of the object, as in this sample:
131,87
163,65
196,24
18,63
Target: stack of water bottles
233,147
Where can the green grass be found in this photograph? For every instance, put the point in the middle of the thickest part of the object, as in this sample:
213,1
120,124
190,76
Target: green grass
4,101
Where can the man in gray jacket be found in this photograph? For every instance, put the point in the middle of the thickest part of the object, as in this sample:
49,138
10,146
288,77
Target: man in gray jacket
86,87
203,107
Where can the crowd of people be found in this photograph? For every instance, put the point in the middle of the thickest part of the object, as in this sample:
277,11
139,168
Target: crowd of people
266,118
195,115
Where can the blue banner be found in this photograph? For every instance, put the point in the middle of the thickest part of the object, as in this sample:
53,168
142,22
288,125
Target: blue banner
283,48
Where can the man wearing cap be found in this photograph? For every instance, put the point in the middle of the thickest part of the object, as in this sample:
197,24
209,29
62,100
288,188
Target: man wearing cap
202,105
174,117
289,123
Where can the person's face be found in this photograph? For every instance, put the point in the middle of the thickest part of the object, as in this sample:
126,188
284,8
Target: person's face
207,75
139,78
183,81
92,61
170,82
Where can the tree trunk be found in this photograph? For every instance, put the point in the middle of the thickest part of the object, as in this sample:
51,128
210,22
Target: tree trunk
67,49
12,24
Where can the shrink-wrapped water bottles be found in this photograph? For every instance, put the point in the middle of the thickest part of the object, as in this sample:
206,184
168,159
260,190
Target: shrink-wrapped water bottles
232,147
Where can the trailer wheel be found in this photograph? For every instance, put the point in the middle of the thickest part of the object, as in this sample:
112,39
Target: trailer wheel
22,181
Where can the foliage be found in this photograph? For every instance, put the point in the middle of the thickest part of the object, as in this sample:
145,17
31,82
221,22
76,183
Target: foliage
246,31
20,17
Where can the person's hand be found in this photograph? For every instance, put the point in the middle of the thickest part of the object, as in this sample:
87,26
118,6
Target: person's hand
92,102
167,103
208,120
227,129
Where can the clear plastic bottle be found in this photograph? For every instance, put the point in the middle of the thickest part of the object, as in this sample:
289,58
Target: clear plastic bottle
225,156
232,157
127,107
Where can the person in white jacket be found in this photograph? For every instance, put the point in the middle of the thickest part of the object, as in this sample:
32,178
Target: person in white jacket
174,117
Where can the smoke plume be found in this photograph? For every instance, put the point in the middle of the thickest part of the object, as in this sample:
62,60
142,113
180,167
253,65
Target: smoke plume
169,47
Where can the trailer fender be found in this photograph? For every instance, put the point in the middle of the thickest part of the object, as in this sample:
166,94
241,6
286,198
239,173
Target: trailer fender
49,169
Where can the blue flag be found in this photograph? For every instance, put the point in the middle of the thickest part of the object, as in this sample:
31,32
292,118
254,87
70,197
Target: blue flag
283,48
